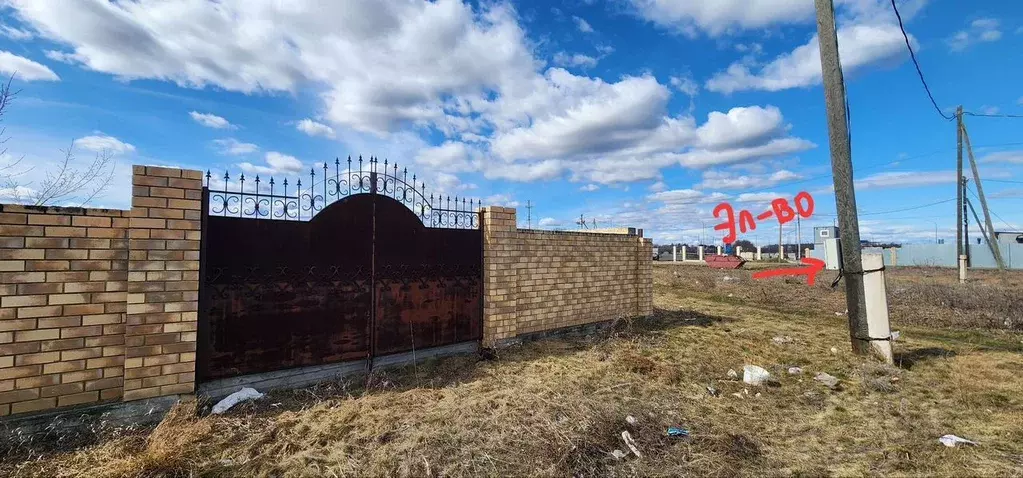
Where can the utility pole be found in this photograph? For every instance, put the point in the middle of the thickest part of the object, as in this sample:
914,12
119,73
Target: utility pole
842,174
529,214
781,252
992,244
960,252
799,240
966,225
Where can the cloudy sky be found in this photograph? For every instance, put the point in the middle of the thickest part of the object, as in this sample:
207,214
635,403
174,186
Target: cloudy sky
645,113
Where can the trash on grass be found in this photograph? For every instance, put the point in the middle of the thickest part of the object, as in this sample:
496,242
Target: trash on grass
618,454
834,350
755,375
951,441
713,391
782,339
631,420
827,379
631,444
733,374
677,432
795,370
236,398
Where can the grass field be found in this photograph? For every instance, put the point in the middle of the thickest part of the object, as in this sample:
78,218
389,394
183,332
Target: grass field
558,407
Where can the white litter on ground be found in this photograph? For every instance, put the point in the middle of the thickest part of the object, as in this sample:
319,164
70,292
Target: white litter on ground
236,398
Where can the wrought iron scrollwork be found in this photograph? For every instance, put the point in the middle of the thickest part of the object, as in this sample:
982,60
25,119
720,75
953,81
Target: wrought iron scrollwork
276,202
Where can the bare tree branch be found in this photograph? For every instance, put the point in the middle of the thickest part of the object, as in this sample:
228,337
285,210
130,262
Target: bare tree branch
66,183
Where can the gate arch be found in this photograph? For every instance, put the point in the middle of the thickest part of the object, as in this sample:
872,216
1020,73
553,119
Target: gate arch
357,266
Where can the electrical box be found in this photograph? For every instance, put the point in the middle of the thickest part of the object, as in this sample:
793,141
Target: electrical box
832,254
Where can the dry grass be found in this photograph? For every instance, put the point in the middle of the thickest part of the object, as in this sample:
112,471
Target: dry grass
558,407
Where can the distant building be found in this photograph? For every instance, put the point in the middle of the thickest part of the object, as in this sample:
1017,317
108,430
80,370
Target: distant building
820,233
1009,237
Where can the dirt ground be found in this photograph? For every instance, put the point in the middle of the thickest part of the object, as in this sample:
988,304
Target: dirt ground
559,407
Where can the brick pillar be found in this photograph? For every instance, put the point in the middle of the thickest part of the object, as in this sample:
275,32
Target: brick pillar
501,251
645,276
163,282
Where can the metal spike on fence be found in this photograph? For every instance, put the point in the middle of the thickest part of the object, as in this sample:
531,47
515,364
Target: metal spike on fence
360,163
257,184
241,187
208,176
226,179
271,185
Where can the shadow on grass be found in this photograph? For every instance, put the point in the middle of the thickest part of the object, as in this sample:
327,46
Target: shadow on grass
907,359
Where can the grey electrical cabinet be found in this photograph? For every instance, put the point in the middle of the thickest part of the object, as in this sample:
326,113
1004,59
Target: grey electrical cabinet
832,254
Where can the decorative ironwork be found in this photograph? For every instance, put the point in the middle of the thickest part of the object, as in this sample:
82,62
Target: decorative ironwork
293,202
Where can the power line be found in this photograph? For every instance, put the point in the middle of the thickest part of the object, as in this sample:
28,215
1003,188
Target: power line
876,213
1003,181
990,210
989,115
917,64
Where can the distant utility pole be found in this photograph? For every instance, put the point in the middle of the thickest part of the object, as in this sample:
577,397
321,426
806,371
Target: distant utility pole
960,251
841,167
992,243
781,251
529,214
799,241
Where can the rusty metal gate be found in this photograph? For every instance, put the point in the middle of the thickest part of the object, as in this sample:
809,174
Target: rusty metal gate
362,263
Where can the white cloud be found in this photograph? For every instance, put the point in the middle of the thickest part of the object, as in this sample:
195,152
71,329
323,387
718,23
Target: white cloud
451,157
716,17
25,69
233,147
549,222
210,120
725,180
687,196
906,179
101,143
276,163
686,85
589,188
859,45
658,187
503,200
989,110
759,197
15,34
582,25
979,30
313,128
578,59
1009,157
393,70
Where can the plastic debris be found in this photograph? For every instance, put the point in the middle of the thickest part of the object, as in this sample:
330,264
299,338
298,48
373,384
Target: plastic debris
713,391
896,335
755,375
618,454
236,398
631,444
631,420
795,370
834,350
827,379
951,441
733,374
677,432
782,339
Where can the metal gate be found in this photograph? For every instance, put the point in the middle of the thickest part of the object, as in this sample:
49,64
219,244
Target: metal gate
362,263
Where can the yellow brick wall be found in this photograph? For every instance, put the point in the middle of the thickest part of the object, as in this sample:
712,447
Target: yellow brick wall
62,306
542,280
163,282
99,305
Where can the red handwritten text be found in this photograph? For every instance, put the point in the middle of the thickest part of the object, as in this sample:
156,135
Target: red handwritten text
780,209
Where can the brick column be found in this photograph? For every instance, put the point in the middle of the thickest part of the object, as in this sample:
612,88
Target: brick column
163,282
500,253
645,278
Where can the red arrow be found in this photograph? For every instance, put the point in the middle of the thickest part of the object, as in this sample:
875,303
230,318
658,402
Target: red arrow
813,267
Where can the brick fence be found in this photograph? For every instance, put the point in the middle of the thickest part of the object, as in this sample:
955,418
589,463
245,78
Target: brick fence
100,305
536,280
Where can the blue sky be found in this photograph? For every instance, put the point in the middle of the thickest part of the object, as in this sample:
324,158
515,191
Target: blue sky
632,112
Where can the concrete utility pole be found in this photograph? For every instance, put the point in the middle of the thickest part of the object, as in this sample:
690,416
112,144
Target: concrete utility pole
992,244
841,168
966,224
960,251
